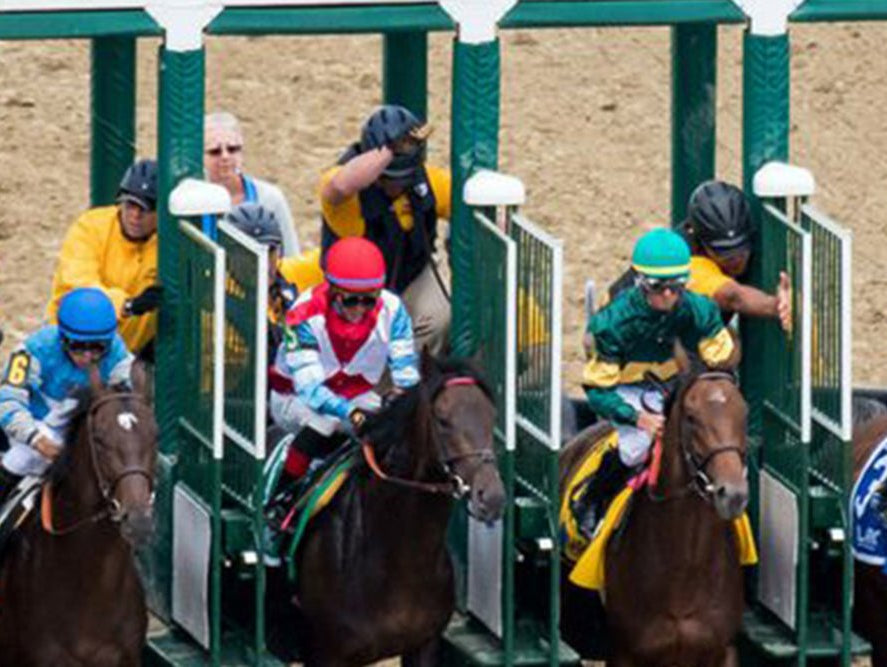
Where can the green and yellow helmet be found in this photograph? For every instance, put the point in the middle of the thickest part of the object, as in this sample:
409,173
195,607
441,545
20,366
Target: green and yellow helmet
663,254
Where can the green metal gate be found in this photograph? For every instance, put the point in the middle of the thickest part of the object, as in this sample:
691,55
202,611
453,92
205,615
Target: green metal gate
805,576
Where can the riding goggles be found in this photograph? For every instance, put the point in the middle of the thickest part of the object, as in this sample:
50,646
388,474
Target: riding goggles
659,285
98,347
354,300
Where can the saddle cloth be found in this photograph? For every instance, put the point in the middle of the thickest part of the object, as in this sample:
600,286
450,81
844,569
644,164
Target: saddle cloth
313,493
588,557
868,510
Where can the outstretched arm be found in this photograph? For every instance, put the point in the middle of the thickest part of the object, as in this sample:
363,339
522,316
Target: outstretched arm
747,300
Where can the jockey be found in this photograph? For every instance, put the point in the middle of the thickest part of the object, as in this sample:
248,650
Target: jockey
634,334
287,276
341,337
38,394
719,230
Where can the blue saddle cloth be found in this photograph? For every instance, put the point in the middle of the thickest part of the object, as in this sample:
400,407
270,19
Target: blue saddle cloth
868,510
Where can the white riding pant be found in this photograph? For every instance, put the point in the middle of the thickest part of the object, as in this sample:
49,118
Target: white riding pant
634,442
21,459
291,413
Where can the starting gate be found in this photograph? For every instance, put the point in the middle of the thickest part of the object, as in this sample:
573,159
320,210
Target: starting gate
218,576
513,567
805,461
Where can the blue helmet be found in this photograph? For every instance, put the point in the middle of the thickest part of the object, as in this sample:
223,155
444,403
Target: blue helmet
86,313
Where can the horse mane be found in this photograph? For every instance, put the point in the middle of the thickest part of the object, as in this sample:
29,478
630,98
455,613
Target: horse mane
403,419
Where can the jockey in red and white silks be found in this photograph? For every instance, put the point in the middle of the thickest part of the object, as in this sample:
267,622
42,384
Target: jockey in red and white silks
340,338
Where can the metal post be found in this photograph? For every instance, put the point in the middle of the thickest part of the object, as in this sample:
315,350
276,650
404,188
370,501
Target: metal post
474,145
765,137
405,70
112,143
694,66
180,154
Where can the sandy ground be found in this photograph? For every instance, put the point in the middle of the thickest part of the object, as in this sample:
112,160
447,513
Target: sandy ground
585,124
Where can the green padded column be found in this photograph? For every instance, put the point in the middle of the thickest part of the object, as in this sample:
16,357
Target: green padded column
474,145
180,154
113,115
694,66
405,71
765,127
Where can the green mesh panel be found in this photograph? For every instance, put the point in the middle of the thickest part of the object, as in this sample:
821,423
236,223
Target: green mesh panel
784,452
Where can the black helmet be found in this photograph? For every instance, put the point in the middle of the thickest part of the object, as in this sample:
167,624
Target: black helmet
256,221
139,184
718,216
387,125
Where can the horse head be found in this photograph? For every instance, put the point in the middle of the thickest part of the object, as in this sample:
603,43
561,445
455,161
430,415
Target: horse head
463,418
707,420
121,435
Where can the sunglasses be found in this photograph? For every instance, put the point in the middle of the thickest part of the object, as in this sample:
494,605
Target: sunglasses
354,300
84,346
231,149
659,285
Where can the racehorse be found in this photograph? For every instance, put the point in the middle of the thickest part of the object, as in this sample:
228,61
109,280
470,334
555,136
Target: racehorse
673,582
374,577
69,592
870,582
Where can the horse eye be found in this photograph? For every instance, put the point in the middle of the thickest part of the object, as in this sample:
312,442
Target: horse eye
443,421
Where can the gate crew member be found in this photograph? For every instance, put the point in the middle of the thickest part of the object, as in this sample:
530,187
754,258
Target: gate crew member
719,230
115,248
287,276
44,374
341,337
383,190
636,333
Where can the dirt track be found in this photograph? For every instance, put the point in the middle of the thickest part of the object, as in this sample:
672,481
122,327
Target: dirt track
585,123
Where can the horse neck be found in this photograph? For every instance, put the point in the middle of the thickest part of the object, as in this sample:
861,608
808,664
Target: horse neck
673,475
77,493
415,457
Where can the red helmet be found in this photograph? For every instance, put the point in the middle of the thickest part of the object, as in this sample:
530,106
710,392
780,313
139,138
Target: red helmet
356,265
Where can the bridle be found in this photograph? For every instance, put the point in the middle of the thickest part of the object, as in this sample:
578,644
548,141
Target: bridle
110,507
454,486
697,464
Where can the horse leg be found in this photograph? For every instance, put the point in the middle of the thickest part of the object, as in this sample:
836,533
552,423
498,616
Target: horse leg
427,655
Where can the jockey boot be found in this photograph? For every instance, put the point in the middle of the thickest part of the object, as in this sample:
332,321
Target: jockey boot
592,503
8,482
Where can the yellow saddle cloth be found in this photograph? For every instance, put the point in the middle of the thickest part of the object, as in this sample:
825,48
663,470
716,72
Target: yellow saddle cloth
587,556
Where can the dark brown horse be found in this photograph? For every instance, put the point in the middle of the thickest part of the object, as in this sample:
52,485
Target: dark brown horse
69,592
673,580
375,579
870,583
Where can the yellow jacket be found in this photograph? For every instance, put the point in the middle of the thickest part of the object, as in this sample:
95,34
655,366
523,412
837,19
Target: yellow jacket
96,254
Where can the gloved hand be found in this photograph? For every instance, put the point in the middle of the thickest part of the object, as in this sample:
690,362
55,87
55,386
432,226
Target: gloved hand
49,449
357,419
145,302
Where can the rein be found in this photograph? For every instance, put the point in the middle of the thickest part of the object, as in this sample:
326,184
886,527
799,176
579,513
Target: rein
699,481
111,508
455,486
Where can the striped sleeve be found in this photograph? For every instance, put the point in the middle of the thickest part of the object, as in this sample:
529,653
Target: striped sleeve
402,359
301,361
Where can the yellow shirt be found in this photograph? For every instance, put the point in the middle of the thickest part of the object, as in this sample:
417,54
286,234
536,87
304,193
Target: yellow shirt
303,271
345,219
706,277
95,253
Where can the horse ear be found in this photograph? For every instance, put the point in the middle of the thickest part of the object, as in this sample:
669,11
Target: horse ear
428,364
138,376
95,380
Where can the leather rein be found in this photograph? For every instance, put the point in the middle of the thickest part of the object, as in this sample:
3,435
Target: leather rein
454,486
111,507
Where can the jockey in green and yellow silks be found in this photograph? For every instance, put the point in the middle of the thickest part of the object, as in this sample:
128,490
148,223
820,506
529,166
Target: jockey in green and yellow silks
636,333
